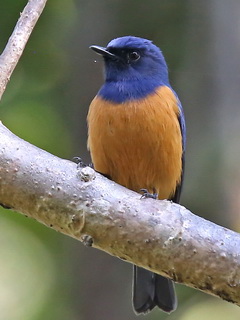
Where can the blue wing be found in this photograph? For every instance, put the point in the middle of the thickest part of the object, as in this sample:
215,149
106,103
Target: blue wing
176,197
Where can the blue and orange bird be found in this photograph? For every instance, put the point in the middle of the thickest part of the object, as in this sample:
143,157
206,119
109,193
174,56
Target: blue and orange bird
136,136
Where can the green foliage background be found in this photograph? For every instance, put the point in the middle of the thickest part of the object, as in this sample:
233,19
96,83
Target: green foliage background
45,275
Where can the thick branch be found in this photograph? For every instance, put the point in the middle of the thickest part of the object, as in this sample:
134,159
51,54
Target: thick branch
16,43
158,235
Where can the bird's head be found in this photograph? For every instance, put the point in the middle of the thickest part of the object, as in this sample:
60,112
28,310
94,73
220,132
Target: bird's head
133,58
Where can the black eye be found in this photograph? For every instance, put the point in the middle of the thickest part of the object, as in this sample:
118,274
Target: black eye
134,56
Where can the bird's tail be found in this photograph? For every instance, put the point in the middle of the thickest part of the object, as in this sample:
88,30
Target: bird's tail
150,290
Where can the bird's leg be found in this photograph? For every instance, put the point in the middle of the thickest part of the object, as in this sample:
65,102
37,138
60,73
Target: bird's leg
147,194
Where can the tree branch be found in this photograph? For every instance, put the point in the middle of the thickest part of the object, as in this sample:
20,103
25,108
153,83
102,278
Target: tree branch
158,235
16,43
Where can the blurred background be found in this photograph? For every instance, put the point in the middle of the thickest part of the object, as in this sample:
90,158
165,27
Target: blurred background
46,275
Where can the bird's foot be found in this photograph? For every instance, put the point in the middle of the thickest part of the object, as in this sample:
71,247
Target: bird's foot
80,163
147,194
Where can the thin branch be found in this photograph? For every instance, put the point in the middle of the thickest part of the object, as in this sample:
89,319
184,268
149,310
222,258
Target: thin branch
157,235
16,43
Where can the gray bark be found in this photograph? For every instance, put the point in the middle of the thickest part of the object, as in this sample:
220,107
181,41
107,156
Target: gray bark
160,236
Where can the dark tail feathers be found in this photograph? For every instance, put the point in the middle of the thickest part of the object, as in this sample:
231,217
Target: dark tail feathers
150,290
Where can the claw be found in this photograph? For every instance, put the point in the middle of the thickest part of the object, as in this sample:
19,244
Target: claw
80,163
147,194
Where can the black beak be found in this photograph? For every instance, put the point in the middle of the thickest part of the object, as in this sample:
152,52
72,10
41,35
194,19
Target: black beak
103,52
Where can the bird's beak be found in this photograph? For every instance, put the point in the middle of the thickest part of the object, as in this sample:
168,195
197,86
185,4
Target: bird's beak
103,52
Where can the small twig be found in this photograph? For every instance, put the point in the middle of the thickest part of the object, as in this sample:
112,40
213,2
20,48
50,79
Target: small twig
16,43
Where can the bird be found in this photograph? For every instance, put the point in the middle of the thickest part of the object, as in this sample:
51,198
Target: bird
137,138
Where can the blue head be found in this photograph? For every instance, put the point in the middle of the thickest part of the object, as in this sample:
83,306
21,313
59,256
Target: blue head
134,68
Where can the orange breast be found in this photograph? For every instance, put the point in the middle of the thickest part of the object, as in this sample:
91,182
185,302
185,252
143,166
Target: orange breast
138,143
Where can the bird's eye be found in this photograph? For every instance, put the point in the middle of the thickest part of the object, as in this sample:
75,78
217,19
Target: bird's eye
134,56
